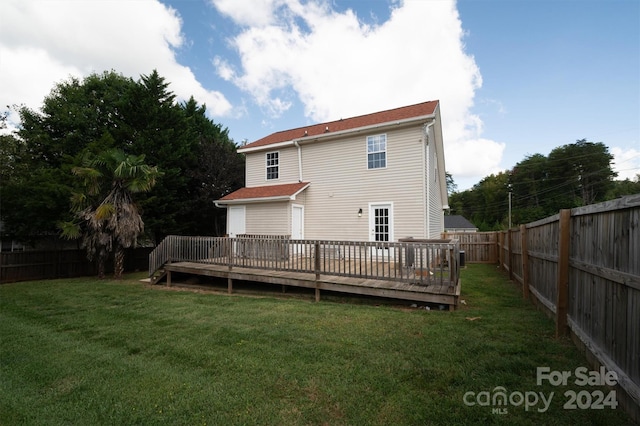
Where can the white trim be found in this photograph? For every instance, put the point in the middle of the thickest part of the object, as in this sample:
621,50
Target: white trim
386,151
269,147
293,208
266,166
424,171
372,219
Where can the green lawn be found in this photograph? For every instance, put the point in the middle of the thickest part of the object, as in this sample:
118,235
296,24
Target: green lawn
83,351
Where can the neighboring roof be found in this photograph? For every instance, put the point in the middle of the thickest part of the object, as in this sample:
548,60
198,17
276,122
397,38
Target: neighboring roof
457,222
287,191
392,115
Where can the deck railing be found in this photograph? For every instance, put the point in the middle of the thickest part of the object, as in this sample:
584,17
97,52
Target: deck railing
427,262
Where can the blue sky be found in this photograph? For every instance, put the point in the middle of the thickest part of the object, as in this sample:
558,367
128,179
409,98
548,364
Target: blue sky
514,77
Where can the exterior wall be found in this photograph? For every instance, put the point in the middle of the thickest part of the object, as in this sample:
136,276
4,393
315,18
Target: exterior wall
341,184
256,167
435,214
269,218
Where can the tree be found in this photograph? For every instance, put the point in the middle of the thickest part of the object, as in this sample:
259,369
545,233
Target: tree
161,132
579,174
109,218
529,180
491,198
451,185
106,111
219,171
624,187
486,204
570,176
74,117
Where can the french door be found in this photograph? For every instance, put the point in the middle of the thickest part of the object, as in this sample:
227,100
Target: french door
381,226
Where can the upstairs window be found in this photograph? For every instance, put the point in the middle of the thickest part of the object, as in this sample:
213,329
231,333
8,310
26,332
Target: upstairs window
377,151
273,162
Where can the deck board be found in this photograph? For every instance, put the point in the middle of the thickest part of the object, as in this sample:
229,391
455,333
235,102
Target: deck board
409,291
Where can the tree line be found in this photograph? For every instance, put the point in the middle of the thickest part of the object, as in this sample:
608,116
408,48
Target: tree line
572,175
85,124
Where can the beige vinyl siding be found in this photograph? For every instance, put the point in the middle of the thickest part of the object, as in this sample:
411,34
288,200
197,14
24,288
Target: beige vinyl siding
256,170
341,184
268,218
436,214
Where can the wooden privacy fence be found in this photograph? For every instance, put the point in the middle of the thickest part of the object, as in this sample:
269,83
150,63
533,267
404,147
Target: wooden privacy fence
582,267
479,247
51,264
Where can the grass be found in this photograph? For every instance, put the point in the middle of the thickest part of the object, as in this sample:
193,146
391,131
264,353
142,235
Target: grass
83,351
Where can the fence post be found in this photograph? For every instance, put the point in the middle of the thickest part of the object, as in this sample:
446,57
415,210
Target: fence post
563,272
493,254
525,262
230,252
510,253
501,250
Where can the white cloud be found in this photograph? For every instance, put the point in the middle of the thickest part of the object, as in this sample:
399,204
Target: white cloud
249,12
337,66
44,42
626,162
22,72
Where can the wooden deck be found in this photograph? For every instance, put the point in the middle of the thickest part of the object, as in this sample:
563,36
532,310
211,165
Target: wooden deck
408,271
414,292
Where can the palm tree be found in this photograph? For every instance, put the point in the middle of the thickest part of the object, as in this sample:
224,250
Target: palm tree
108,217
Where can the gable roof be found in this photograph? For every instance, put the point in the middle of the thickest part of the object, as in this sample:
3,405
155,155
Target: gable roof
457,222
287,191
423,109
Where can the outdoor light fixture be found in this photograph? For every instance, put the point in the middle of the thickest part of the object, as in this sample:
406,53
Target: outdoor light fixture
360,213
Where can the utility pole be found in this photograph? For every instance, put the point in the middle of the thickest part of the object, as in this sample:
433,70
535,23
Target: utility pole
509,209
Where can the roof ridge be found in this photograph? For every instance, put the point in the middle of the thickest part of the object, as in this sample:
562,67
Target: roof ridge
371,113
342,124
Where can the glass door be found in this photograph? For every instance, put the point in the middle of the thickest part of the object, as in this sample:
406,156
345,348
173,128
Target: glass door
381,227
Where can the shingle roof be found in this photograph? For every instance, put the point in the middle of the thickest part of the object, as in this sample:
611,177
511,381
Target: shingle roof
457,222
397,114
270,191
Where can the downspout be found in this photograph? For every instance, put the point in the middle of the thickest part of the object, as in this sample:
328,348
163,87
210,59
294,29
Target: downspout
428,176
299,160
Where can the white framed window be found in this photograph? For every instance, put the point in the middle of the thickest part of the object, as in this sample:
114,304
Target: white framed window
377,152
273,165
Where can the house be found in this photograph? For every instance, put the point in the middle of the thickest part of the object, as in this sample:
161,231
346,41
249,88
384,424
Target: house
375,177
457,223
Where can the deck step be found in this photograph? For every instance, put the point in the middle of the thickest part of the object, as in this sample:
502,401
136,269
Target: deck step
158,276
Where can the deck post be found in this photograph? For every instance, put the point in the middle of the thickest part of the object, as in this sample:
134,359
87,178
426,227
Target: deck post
229,285
316,257
168,278
230,252
317,293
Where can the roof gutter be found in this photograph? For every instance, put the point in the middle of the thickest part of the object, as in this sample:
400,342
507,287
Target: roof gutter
427,175
299,160
224,203
338,133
